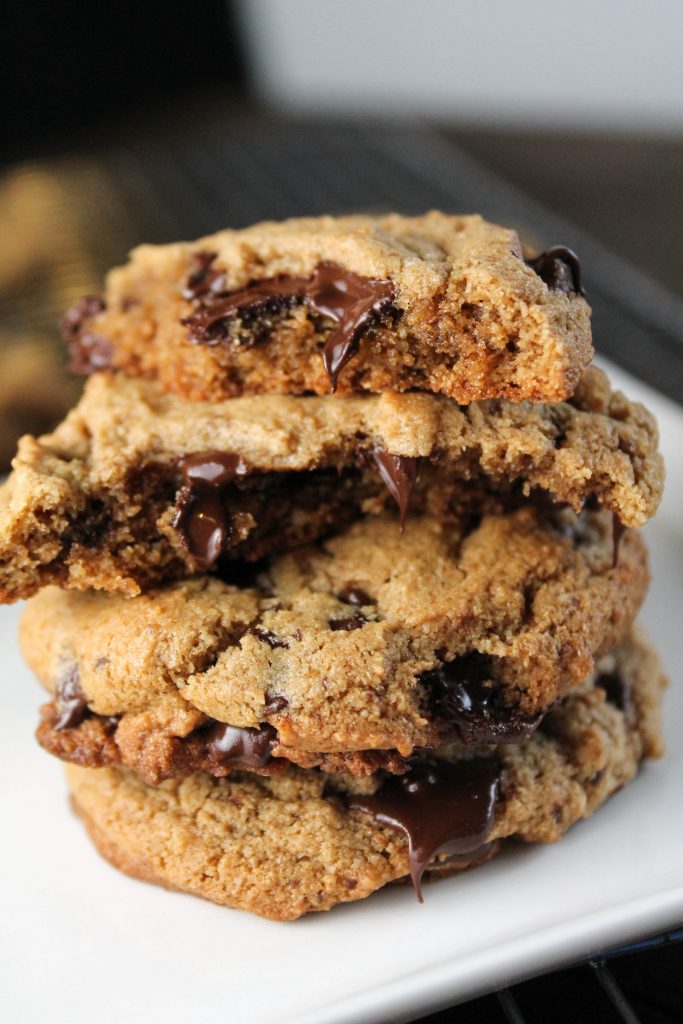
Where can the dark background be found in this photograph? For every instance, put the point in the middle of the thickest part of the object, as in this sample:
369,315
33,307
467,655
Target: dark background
75,77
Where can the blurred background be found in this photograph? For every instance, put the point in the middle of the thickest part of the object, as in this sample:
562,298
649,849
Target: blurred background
126,122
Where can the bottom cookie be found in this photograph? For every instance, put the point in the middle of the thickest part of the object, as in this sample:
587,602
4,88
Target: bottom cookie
303,840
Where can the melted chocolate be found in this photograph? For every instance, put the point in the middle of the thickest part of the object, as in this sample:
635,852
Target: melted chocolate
354,303
241,748
203,279
441,808
352,622
89,352
458,693
201,517
618,531
351,594
560,269
71,703
398,473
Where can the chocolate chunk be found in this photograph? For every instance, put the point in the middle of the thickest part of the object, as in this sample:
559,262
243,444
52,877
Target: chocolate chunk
398,473
275,704
354,303
348,624
351,594
201,517
212,468
458,693
71,703
240,748
560,269
618,531
89,352
203,279
210,324
268,637
441,808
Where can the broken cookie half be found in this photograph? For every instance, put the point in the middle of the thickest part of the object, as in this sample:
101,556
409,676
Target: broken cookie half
137,486
438,303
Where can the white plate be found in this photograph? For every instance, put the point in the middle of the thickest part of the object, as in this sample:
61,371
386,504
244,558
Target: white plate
82,942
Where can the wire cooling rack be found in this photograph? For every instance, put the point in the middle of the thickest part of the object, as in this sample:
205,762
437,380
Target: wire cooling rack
185,184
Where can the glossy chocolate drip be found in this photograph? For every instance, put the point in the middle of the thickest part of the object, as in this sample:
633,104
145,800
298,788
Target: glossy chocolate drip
618,531
89,352
458,693
441,808
351,594
241,748
71,703
398,473
354,303
201,517
560,269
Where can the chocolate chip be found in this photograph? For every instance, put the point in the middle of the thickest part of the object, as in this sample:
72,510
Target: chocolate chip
240,748
275,704
201,517
459,694
269,638
203,279
89,352
351,594
213,468
71,703
399,473
439,807
560,269
349,624
354,303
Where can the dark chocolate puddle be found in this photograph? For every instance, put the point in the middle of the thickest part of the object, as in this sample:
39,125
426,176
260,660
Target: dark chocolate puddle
354,303
441,808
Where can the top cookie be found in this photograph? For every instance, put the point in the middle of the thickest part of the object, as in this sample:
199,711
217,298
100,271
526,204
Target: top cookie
439,303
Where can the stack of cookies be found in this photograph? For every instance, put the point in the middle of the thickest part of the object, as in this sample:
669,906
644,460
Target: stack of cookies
336,562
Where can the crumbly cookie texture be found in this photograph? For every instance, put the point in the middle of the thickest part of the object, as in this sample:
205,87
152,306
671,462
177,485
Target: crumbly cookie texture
461,314
531,599
290,844
95,504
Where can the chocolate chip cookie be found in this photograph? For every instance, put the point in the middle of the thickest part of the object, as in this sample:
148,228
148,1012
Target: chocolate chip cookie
137,486
347,655
305,840
438,303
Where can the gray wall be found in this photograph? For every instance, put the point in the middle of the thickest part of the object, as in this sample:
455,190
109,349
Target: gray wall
611,64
